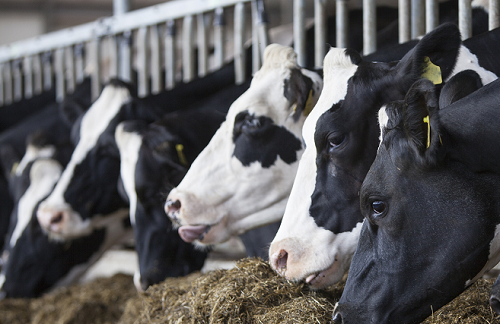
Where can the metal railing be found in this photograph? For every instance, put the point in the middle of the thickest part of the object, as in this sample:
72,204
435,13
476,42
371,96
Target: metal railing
145,38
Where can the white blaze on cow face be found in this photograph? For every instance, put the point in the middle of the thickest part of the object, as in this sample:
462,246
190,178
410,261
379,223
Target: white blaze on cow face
55,215
302,249
220,196
129,144
382,122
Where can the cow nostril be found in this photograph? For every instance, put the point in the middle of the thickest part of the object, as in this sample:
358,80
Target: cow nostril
56,219
337,319
282,260
173,206
495,304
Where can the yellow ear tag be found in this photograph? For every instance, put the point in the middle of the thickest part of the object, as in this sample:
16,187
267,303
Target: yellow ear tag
309,105
431,72
14,168
180,154
426,120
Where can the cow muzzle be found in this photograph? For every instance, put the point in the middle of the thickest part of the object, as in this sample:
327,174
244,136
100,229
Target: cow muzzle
62,223
53,220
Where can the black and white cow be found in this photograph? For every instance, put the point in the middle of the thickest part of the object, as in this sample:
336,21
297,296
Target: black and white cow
153,159
242,179
88,186
322,220
431,207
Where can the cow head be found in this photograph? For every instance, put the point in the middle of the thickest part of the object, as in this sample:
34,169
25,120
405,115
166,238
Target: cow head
322,220
430,226
242,179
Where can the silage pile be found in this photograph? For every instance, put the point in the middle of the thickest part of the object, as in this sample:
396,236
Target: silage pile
249,293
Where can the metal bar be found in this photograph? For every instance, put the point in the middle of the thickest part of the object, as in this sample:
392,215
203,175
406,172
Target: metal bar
494,14
113,56
59,74
369,27
120,7
2,97
202,37
156,68
431,15
28,76
262,26
404,9
69,69
465,18
319,32
7,80
95,74
47,70
417,18
170,56
37,75
299,36
78,51
18,80
342,23
219,36
256,59
125,57
239,43
142,62
187,49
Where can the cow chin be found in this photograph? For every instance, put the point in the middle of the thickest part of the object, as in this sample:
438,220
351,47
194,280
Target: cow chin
215,234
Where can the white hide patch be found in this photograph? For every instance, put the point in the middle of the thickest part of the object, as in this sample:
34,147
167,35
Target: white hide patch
468,61
43,176
93,124
129,145
383,119
32,153
493,257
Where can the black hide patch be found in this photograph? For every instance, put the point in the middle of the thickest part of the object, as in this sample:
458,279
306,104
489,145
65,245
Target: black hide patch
257,138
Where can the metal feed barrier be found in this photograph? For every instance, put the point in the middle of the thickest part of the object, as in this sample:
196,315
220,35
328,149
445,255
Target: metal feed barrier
147,39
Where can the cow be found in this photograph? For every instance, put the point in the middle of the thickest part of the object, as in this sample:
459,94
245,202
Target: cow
242,179
431,207
32,263
88,186
154,158
322,220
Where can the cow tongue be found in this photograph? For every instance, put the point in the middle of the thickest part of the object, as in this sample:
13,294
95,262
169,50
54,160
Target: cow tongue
190,233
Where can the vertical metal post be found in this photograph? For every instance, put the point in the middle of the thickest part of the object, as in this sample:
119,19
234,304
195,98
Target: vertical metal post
28,76
125,57
170,56
142,62
7,75
2,94
78,54
494,14
37,74
262,26
156,68
404,9
47,70
256,59
299,34
187,49
18,80
239,45
319,31
59,73
69,69
369,27
465,18
417,18
120,7
202,37
95,75
113,56
342,23
431,15
219,37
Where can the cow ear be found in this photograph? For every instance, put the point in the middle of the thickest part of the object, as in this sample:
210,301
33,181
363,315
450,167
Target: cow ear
421,122
299,90
434,56
459,86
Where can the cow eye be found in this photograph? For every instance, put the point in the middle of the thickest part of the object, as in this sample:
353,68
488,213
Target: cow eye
378,208
334,141
252,122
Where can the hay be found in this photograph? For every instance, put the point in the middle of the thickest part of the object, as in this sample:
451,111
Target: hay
249,293
14,311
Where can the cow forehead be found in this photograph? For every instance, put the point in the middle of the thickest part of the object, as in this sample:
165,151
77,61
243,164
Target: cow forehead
338,69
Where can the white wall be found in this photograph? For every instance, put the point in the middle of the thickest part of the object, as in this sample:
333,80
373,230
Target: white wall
17,26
